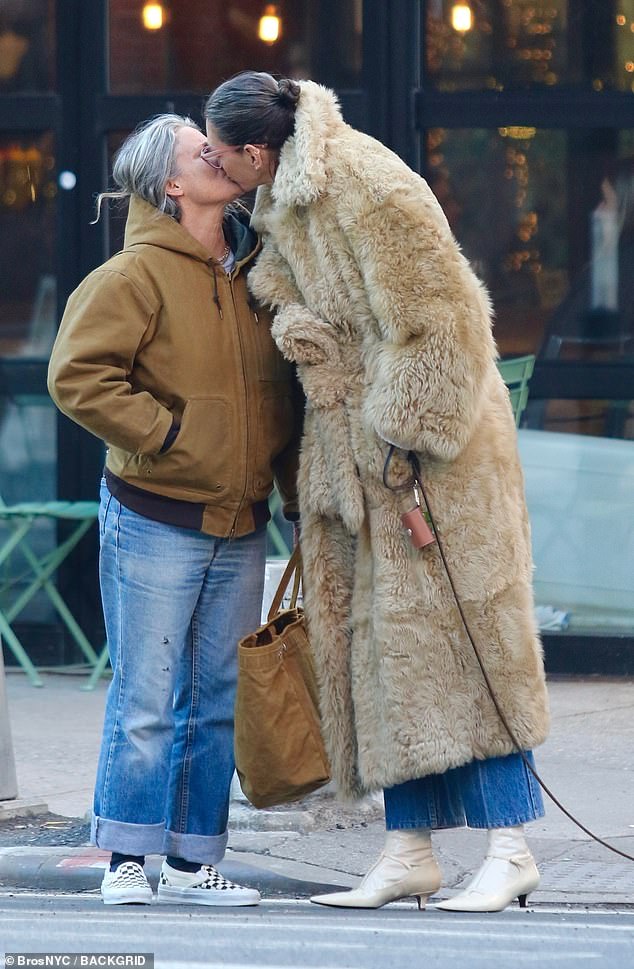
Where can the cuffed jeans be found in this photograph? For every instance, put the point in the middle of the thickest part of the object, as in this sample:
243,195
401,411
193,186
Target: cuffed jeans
496,793
175,602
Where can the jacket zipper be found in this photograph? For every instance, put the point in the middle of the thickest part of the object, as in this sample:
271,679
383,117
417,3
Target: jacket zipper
246,406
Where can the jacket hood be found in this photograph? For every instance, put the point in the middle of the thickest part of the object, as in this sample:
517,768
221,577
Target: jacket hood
149,227
302,172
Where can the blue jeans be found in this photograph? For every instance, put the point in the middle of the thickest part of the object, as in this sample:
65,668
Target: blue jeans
495,793
175,604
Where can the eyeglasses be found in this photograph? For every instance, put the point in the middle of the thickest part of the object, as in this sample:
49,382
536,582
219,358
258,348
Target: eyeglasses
212,155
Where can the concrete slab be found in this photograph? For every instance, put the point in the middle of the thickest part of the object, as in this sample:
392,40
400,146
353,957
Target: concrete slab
22,807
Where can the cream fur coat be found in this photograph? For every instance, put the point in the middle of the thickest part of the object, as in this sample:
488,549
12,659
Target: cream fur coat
391,331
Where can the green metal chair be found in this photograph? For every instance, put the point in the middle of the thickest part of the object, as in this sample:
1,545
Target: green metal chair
516,373
39,570
274,532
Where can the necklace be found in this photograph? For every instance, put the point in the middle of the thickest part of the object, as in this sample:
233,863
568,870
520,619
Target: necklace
225,254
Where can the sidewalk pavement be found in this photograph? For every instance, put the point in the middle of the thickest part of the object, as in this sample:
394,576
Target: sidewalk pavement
319,843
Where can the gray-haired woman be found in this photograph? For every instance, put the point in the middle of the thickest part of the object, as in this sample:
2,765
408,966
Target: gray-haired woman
162,354
391,332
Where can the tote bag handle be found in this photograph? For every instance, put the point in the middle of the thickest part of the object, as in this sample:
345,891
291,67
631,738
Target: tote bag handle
293,570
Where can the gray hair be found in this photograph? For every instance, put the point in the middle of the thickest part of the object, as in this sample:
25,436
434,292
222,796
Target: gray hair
253,107
146,161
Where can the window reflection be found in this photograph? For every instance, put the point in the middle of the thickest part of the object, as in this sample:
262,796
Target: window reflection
27,226
504,193
624,46
598,418
497,43
547,219
579,495
193,46
26,45
28,468
501,44
595,320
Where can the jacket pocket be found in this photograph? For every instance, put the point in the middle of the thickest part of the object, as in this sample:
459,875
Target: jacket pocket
201,461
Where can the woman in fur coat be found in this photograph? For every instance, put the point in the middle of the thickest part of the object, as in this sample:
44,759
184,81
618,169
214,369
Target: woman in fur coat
391,333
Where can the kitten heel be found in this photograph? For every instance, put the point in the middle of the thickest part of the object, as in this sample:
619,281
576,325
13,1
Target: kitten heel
422,901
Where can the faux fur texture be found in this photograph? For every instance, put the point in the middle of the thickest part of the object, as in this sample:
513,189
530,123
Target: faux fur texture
391,331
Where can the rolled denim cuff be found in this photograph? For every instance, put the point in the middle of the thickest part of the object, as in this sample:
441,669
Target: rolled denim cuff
206,849
127,838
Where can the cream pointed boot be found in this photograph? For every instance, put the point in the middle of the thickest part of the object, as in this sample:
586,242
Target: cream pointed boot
508,872
405,867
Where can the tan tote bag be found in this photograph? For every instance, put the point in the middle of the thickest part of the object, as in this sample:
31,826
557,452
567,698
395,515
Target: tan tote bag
279,750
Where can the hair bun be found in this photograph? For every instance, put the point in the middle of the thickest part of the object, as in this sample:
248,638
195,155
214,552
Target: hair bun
288,92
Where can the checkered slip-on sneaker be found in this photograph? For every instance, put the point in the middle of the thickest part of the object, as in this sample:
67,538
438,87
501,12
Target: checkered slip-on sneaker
126,885
203,887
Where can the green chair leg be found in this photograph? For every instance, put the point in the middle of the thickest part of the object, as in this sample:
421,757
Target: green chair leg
42,580
99,669
274,533
277,539
516,373
17,649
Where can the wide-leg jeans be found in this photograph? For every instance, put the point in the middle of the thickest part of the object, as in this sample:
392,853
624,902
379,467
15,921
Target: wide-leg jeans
496,793
175,602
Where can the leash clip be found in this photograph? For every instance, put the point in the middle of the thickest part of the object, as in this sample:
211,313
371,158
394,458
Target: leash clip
414,517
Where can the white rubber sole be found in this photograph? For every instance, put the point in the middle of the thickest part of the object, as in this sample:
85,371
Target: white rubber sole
129,898
203,896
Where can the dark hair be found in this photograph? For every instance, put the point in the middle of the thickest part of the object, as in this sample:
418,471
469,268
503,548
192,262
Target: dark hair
254,108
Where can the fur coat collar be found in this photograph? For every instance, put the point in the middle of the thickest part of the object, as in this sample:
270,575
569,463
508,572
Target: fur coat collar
303,170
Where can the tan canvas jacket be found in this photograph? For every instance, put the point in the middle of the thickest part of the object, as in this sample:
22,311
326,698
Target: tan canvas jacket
161,335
